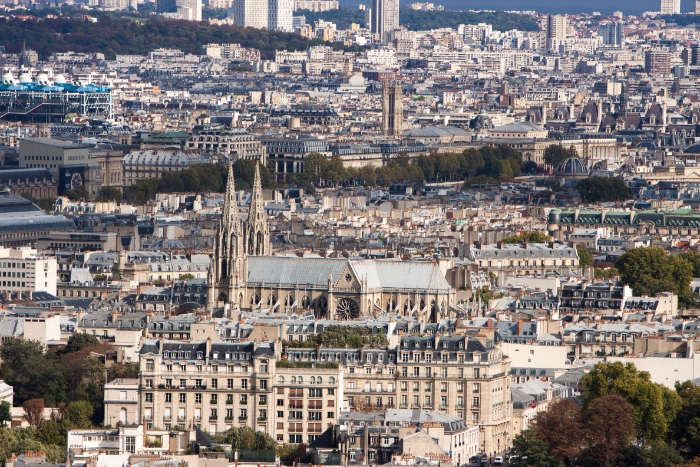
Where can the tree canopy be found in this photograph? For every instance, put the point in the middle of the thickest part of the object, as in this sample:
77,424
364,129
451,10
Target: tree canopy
555,154
652,270
654,405
530,237
199,177
489,163
112,36
603,189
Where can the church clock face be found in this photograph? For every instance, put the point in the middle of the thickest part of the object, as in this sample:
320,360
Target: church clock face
348,278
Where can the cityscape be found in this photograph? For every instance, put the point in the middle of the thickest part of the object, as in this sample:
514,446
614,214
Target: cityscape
304,233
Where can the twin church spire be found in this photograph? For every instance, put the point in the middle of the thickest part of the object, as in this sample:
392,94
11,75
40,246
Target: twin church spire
236,240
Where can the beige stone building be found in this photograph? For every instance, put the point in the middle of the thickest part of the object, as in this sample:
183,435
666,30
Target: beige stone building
456,375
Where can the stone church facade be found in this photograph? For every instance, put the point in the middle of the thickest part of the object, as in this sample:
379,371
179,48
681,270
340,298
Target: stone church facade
244,274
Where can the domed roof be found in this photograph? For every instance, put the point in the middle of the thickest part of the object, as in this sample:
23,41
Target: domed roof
25,78
572,166
59,79
7,78
42,78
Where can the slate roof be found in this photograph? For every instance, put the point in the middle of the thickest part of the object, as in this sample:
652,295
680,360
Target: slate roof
379,274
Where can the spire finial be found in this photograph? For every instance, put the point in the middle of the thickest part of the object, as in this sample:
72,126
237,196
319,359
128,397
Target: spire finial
230,217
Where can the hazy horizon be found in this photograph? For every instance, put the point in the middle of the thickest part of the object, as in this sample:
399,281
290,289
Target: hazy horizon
633,7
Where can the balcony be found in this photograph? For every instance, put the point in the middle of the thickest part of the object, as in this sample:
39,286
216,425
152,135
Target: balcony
229,401
262,419
242,419
229,419
213,418
181,419
167,418
244,402
214,401
296,406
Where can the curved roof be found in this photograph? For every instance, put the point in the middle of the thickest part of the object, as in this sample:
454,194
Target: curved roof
572,166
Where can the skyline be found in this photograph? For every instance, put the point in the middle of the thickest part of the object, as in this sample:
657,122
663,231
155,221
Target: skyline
545,6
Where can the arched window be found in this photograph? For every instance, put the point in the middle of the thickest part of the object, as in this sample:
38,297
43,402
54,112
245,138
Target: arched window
294,379
300,380
319,380
331,379
281,379
313,379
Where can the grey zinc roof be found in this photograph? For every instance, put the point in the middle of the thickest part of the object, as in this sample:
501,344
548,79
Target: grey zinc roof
379,274
288,270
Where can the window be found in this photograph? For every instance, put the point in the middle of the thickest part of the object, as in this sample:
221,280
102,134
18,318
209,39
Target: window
149,397
214,383
168,397
443,387
315,392
244,413
229,384
263,384
262,400
475,402
476,388
183,383
198,398
330,415
198,383
244,384
131,444
183,397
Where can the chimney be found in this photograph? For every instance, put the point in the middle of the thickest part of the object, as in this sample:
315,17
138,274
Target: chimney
499,244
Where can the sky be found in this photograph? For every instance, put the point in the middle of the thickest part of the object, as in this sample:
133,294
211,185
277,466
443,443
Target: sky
633,7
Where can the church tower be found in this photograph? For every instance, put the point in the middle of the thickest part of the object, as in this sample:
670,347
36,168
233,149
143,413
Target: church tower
256,228
235,241
228,268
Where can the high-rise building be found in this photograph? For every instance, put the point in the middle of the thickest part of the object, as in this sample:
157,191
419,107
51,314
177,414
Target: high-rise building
194,7
611,32
556,31
385,18
280,14
670,7
657,62
697,7
251,13
392,109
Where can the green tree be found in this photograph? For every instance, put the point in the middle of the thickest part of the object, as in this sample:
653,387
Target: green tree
647,398
555,154
245,438
80,340
653,455
685,429
109,193
692,257
5,413
532,451
316,165
80,193
15,352
530,237
585,258
651,270
603,189
78,414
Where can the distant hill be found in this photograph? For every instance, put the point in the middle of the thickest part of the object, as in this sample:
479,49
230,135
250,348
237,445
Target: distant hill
416,20
113,36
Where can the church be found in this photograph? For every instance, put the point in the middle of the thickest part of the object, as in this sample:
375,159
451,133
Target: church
245,274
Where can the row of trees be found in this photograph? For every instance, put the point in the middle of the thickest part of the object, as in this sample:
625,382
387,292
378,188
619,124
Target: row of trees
342,336
624,420
200,177
484,165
